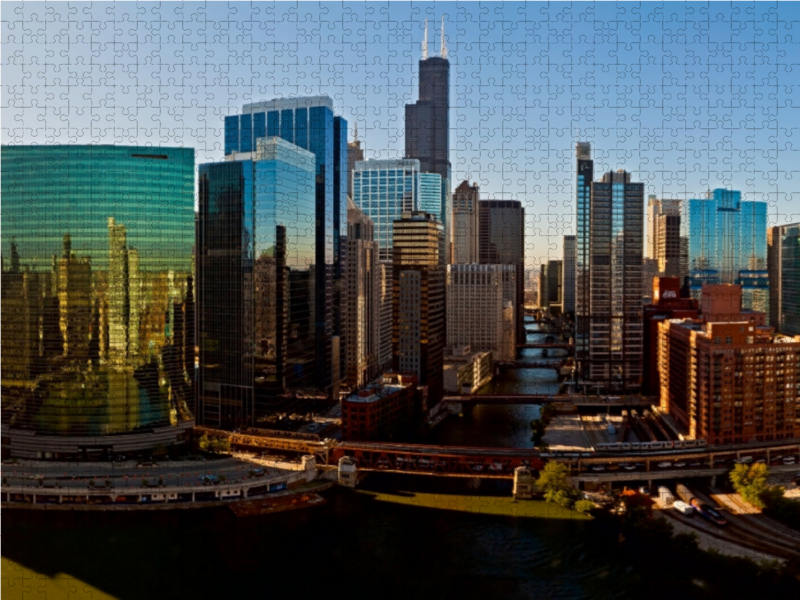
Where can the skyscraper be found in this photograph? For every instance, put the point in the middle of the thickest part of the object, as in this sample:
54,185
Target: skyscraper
670,251
418,331
428,126
502,242
384,190
362,300
784,278
609,290
256,279
727,244
100,246
570,252
310,124
480,308
656,207
465,224
354,154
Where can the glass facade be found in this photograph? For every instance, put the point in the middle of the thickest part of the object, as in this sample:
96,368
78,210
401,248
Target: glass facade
97,289
256,280
384,190
310,124
430,195
789,279
727,243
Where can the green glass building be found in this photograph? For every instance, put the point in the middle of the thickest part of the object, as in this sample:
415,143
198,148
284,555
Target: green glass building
97,299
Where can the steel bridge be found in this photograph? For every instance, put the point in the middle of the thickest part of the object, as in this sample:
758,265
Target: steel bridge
559,345
530,364
442,461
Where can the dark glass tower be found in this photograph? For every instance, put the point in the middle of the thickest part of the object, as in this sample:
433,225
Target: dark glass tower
501,241
255,281
309,123
428,128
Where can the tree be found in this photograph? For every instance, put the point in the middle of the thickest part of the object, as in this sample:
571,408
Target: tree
584,506
204,442
751,482
553,478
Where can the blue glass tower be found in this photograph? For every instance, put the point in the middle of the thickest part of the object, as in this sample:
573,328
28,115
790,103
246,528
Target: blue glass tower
727,243
256,281
430,195
310,124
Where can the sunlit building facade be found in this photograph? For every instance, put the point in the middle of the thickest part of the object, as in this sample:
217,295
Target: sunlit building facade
98,352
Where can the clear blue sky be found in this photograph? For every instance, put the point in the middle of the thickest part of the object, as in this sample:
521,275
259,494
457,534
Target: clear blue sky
687,96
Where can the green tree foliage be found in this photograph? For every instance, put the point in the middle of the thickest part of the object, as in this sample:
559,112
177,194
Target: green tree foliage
553,481
751,482
584,506
213,444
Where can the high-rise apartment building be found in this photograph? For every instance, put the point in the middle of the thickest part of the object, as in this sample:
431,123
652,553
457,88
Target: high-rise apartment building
610,235
97,271
386,307
418,331
256,281
310,124
428,127
784,278
465,224
656,208
570,257
480,308
544,295
384,190
726,377
726,241
430,195
501,238
362,300
554,285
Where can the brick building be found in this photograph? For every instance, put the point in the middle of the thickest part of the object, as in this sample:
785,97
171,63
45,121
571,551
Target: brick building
726,377
381,410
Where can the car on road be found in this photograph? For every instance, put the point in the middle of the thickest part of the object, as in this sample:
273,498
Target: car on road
744,460
598,468
628,466
664,465
789,460
680,465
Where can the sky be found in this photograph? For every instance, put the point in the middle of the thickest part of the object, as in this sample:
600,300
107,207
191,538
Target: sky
686,96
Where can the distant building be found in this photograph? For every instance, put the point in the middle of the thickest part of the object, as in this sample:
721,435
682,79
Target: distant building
418,330
480,308
465,371
670,252
97,274
608,312
384,190
649,273
726,377
554,285
656,208
667,304
381,410
784,278
255,286
362,300
355,153
570,252
386,303
726,241
466,207
427,133
502,242
430,195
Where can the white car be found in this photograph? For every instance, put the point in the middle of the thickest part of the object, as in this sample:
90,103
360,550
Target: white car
789,460
664,465
680,465
598,468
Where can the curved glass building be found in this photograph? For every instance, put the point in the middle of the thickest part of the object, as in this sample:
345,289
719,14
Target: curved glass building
97,299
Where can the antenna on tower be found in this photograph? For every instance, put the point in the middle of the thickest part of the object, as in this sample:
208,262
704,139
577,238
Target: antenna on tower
443,49
355,131
425,42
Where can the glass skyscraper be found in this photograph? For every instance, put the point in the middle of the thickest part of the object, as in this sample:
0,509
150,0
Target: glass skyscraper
309,123
256,281
430,195
727,243
384,190
784,278
98,299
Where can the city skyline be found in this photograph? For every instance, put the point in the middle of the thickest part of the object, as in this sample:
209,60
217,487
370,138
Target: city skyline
673,118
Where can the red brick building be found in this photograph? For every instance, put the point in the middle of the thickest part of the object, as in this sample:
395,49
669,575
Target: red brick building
726,377
667,304
380,410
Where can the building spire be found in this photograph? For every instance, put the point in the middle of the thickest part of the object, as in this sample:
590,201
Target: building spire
425,42
355,131
443,46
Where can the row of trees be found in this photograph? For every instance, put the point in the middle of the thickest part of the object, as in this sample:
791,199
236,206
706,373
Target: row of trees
554,482
750,481
213,444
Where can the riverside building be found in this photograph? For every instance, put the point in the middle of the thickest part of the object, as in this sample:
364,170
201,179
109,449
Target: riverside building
481,308
256,281
610,231
784,278
97,295
726,377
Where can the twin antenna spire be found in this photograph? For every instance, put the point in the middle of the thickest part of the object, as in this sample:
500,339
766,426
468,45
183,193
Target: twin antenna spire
442,43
